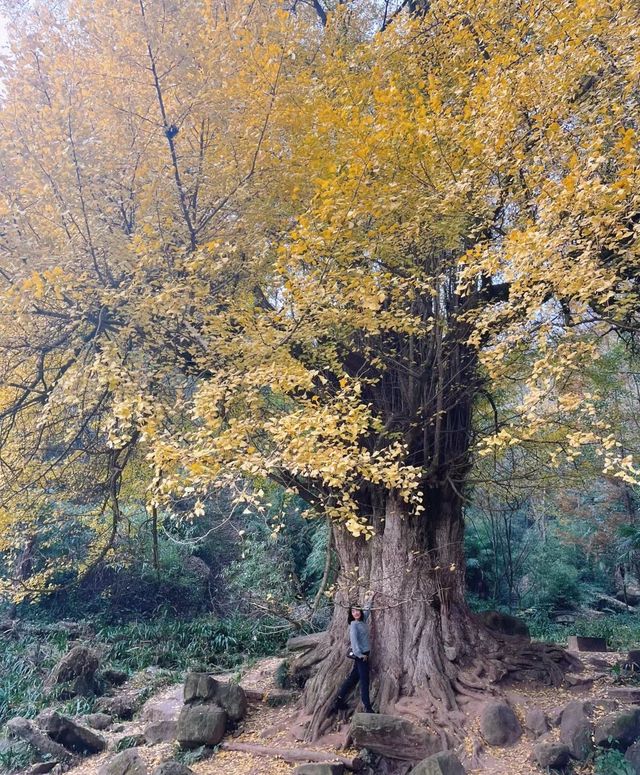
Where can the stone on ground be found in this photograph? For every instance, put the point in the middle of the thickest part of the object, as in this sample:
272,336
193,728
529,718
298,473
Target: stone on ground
113,677
161,732
97,720
201,725
232,698
581,643
76,671
499,724
553,756
618,730
633,757
126,763
72,736
536,721
392,736
27,730
199,687
443,763
164,708
172,768
576,729
122,706
319,769
202,688
129,741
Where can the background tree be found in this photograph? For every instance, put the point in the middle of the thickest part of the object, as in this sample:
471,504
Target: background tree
249,242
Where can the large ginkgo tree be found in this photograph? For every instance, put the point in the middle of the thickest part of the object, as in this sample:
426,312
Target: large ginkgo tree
245,241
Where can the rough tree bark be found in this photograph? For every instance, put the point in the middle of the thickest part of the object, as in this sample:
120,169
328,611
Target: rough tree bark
426,642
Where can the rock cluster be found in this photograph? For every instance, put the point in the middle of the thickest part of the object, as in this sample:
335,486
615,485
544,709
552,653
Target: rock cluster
57,737
210,706
579,736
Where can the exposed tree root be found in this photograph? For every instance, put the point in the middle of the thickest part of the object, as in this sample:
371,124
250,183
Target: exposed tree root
443,692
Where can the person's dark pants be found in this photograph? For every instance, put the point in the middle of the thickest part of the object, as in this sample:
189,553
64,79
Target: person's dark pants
359,672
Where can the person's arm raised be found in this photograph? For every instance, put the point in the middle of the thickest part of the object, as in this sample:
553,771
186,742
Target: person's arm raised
366,609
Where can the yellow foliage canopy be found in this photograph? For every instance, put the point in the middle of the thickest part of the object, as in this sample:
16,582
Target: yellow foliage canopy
238,242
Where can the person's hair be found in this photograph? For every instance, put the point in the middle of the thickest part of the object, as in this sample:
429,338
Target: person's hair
350,616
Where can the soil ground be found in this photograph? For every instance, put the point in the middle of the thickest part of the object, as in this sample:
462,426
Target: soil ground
281,727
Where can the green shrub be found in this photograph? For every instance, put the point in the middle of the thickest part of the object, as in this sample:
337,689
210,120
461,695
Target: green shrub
16,757
612,763
554,577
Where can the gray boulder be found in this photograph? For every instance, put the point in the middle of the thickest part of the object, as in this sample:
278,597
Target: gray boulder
618,730
76,672
443,763
576,729
553,756
536,722
126,763
72,736
201,725
97,720
26,730
164,708
201,688
328,768
172,768
392,736
499,724
232,698
632,756
161,732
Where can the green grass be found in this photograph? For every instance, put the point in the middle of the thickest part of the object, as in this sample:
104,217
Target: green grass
174,646
203,643
24,664
622,631
19,756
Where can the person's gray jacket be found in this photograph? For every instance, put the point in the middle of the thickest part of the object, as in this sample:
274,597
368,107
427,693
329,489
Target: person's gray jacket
359,633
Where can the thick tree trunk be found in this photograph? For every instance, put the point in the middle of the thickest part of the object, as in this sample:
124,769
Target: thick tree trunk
426,643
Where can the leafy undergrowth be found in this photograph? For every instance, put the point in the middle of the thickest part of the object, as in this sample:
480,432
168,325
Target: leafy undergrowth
24,664
175,646
612,763
204,643
622,631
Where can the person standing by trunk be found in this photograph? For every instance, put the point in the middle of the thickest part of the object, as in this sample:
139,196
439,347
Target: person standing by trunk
360,650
